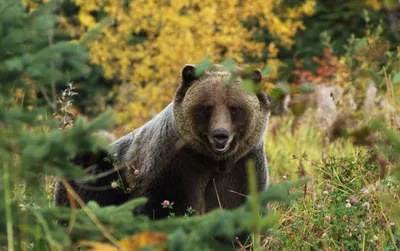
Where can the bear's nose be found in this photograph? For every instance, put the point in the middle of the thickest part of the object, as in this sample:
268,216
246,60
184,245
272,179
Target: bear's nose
220,136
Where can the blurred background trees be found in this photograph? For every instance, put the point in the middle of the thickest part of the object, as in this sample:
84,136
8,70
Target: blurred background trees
145,46
136,60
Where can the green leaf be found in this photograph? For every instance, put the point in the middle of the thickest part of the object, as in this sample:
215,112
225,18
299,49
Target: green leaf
396,78
229,64
14,64
275,93
305,88
267,70
203,66
248,86
284,87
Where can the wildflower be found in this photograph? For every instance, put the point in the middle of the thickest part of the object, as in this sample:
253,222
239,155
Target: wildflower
390,181
365,191
165,203
325,192
115,155
347,201
349,234
136,172
23,207
391,224
366,205
114,184
319,206
284,177
327,218
348,205
353,201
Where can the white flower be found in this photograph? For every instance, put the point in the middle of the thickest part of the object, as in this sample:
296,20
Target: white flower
114,184
365,191
325,192
366,205
23,207
348,205
284,177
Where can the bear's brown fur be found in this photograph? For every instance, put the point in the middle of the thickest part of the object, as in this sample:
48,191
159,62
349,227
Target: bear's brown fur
196,148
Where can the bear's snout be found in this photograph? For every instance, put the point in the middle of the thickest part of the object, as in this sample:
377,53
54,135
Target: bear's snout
220,136
220,140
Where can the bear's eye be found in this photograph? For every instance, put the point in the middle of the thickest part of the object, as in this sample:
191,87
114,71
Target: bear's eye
206,108
237,113
234,109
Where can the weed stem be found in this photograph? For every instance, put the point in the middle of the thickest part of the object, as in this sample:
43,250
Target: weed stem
7,203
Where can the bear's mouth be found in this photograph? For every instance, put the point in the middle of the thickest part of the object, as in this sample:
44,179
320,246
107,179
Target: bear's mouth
220,148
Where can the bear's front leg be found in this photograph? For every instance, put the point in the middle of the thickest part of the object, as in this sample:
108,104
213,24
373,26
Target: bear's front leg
104,186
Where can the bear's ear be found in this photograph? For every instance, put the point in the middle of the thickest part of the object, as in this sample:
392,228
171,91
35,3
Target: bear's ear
264,100
252,74
188,73
256,76
188,76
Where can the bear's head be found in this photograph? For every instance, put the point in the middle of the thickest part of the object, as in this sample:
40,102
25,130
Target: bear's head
215,116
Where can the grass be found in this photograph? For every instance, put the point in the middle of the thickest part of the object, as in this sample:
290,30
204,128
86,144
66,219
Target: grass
344,207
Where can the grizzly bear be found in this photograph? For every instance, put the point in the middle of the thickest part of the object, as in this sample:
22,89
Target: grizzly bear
193,153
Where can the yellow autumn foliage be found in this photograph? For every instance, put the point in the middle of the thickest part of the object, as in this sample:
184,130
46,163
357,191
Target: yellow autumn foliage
151,41
132,243
375,4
